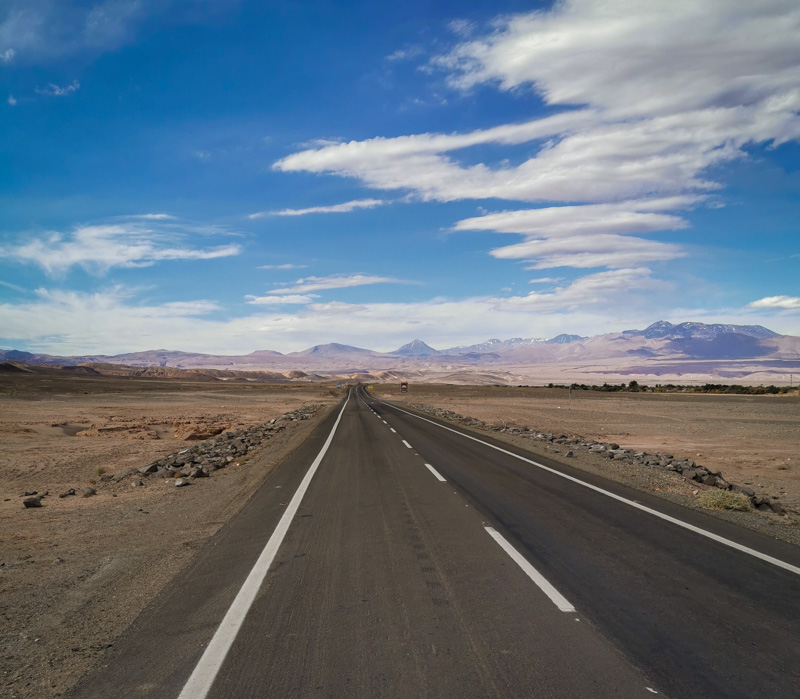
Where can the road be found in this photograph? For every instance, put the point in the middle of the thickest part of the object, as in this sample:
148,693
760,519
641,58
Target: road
416,560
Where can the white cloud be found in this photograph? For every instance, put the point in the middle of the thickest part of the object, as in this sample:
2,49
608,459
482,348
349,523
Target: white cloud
335,209
655,95
335,281
122,244
546,280
67,322
155,217
288,265
406,54
621,218
7,56
276,300
591,290
601,250
782,302
53,90
645,58
11,100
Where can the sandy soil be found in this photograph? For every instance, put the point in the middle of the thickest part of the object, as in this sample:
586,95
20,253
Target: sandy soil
753,440
76,572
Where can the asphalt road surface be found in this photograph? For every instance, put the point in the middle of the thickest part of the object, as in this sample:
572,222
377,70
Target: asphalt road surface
395,556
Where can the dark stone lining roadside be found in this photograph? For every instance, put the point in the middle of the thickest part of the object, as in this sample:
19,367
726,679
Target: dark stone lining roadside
688,468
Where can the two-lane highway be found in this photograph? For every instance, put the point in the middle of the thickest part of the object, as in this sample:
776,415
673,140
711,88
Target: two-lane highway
395,556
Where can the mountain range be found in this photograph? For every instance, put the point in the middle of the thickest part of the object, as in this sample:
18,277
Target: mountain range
660,349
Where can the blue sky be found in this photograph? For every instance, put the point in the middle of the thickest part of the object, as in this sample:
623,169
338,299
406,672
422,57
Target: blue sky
227,175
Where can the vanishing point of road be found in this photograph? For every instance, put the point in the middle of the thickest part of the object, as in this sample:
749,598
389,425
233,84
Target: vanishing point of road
393,555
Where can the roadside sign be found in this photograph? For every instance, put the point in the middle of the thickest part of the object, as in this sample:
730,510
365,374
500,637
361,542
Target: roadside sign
404,387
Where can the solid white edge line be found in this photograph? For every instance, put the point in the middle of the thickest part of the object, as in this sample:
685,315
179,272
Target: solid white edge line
555,596
691,527
205,672
435,472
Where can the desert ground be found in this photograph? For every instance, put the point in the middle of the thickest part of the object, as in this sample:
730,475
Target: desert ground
753,440
77,571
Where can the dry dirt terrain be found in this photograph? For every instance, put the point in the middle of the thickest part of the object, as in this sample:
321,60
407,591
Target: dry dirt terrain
753,440
76,572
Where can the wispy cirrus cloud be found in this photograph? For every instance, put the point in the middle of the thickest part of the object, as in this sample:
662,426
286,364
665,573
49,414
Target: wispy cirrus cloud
790,303
288,265
345,207
97,248
33,31
53,90
155,217
334,281
301,299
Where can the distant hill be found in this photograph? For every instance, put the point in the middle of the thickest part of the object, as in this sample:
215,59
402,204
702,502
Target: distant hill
698,331
416,348
660,342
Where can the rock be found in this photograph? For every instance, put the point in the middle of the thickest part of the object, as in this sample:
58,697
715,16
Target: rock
613,446
88,492
136,482
150,468
570,453
181,482
709,479
744,490
67,493
35,501
777,508
124,473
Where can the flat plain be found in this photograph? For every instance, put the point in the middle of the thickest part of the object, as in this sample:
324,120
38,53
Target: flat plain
76,573
752,439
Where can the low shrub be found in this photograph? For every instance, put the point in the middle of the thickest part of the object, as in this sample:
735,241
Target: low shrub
723,500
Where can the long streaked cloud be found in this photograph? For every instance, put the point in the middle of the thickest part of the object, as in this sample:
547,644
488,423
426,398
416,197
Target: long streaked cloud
613,251
334,281
791,303
622,218
288,265
593,235
301,299
345,207
97,248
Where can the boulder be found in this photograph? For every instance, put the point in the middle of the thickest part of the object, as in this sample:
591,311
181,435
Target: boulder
35,501
88,492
